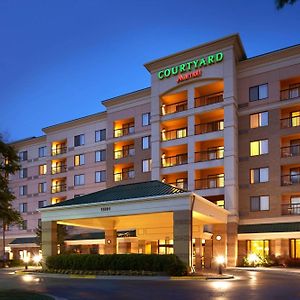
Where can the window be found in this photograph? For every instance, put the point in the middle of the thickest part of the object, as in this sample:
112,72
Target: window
100,135
79,179
42,169
259,175
295,248
42,187
23,225
259,203
259,147
23,173
43,151
258,92
78,140
23,207
146,142
100,155
42,203
23,155
259,120
295,118
100,176
146,165
23,190
145,119
79,160
260,247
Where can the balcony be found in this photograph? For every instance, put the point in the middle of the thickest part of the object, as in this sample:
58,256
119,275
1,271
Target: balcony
290,93
290,209
58,169
209,99
181,184
290,179
58,188
124,175
173,134
176,160
173,108
211,182
210,154
293,121
125,152
209,127
290,151
61,149
126,129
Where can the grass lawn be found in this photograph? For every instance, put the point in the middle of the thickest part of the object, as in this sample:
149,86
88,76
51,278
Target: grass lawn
22,295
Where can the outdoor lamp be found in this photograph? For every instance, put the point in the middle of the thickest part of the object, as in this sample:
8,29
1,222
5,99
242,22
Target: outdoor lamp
220,261
37,259
26,261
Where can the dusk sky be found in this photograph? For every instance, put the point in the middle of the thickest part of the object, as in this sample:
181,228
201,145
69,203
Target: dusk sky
59,59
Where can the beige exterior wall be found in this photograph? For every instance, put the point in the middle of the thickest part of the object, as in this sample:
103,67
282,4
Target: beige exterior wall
233,77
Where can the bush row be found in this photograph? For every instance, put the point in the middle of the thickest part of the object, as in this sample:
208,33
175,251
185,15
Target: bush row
169,264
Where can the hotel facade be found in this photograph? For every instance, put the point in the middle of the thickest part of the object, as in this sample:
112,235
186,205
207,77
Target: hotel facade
204,162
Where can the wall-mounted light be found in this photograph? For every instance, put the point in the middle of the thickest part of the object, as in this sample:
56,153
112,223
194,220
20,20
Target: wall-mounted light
218,237
108,241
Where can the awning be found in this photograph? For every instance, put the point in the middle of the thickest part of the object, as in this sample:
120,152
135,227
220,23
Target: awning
25,242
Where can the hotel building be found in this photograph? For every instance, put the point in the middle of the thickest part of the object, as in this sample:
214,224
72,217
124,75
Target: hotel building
206,161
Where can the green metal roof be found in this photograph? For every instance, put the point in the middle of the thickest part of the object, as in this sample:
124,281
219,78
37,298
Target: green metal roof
99,235
262,228
123,192
27,240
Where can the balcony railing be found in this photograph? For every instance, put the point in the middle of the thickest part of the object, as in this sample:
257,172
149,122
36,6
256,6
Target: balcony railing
173,108
290,151
211,182
123,131
181,184
209,127
125,152
210,154
175,160
291,209
58,150
209,99
174,134
58,188
290,179
58,169
124,175
290,93
290,122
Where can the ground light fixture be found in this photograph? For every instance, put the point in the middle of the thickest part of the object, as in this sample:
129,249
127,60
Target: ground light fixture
26,260
253,258
220,261
37,259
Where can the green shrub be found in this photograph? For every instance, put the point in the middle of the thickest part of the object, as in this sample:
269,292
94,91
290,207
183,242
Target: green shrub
293,263
169,264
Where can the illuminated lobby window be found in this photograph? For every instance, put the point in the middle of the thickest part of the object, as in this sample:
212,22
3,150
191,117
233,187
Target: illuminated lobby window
295,248
165,247
259,147
260,247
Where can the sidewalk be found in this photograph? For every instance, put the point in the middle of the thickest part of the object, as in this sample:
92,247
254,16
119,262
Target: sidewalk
268,269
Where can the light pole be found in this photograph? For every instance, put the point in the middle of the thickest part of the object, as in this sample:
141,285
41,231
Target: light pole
220,261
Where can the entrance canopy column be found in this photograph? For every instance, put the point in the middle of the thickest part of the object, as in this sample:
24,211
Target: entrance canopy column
182,235
110,241
49,238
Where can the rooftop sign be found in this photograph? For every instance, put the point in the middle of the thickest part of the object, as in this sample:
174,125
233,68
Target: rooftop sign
190,66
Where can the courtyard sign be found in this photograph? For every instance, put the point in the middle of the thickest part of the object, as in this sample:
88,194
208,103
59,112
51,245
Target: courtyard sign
190,66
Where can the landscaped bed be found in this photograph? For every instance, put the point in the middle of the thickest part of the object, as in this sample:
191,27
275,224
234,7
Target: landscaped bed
116,264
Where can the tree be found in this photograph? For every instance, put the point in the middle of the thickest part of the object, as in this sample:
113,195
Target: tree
8,165
281,3
61,236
